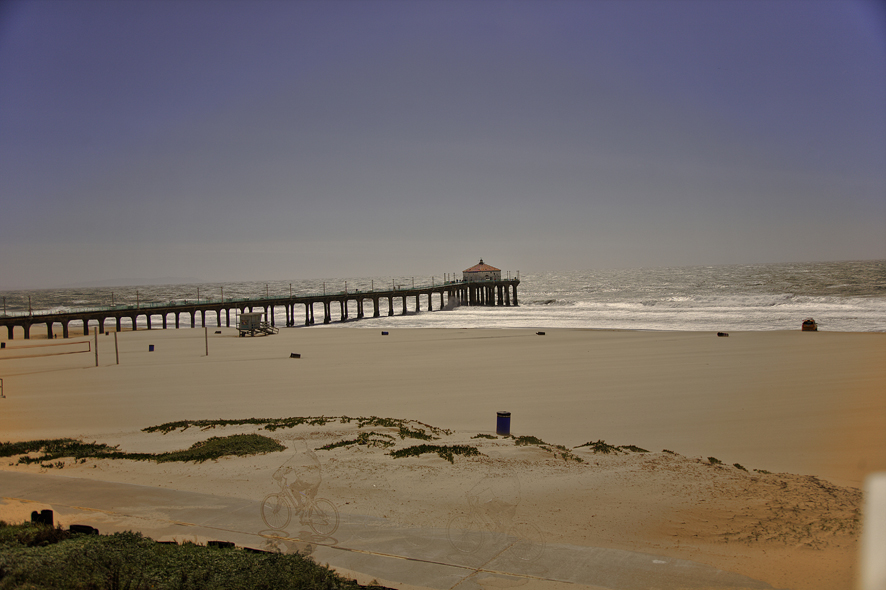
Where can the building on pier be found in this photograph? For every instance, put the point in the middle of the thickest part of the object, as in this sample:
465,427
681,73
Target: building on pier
481,272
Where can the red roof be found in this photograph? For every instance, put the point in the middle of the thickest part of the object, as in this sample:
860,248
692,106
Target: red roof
482,267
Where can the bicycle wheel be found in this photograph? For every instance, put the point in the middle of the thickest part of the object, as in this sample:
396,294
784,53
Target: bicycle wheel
465,533
323,517
529,543
275,511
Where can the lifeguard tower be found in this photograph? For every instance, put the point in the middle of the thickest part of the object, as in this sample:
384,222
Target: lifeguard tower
251,323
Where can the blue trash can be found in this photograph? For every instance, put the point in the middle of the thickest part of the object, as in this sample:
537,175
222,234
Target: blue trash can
503,424
150,348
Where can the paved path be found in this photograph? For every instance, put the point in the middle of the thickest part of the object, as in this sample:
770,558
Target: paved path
396,556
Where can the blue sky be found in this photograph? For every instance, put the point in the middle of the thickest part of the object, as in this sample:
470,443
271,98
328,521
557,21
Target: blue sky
292,140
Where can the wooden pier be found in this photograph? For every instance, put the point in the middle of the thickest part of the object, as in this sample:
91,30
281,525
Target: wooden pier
484,293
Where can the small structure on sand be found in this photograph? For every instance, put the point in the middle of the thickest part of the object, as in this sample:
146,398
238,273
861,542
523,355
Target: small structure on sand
481,272
251,323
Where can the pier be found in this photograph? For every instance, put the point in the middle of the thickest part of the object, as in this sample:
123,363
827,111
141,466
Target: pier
426,298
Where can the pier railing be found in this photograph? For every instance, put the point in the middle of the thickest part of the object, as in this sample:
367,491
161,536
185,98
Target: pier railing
472,293
233,301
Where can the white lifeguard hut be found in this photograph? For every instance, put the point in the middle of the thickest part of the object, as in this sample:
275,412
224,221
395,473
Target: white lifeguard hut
251,323
481,272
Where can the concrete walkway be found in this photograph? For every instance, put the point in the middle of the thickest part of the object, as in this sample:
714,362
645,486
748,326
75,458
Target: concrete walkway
396,556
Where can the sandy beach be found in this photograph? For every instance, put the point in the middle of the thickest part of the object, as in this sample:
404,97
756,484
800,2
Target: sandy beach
803,414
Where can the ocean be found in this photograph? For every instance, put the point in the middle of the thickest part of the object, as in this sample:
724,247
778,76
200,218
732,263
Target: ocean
840,296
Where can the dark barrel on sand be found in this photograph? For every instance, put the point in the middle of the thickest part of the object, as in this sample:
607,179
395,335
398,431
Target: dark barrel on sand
503,424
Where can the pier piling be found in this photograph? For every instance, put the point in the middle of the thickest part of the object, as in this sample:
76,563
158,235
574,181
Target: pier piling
478,293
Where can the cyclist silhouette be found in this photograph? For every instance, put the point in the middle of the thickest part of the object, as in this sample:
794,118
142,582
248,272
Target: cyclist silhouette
496,496
493,502
302,474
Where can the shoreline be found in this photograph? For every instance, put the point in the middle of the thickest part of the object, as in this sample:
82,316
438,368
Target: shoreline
38,331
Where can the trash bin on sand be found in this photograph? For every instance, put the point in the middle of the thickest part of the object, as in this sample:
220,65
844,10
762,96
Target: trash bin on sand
503,424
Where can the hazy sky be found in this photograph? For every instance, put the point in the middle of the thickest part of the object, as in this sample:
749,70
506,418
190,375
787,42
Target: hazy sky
292,140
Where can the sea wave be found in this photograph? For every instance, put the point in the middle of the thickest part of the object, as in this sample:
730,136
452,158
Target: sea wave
847,296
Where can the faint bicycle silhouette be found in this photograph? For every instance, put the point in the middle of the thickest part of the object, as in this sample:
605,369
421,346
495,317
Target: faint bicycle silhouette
493,505
318,513
468,533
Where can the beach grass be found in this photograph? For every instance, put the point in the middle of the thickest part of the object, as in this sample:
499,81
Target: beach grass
556,450
600,446
633,448
40,556
447,452
366,439
277,423
50,453
212,448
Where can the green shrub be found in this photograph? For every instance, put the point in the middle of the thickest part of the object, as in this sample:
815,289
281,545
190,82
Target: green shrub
216,447
600,446
212,448
419,434
399,424
133,562
203,424
633,449
521,441
447,452
54,449
31,535
368,439
556,450
277,423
